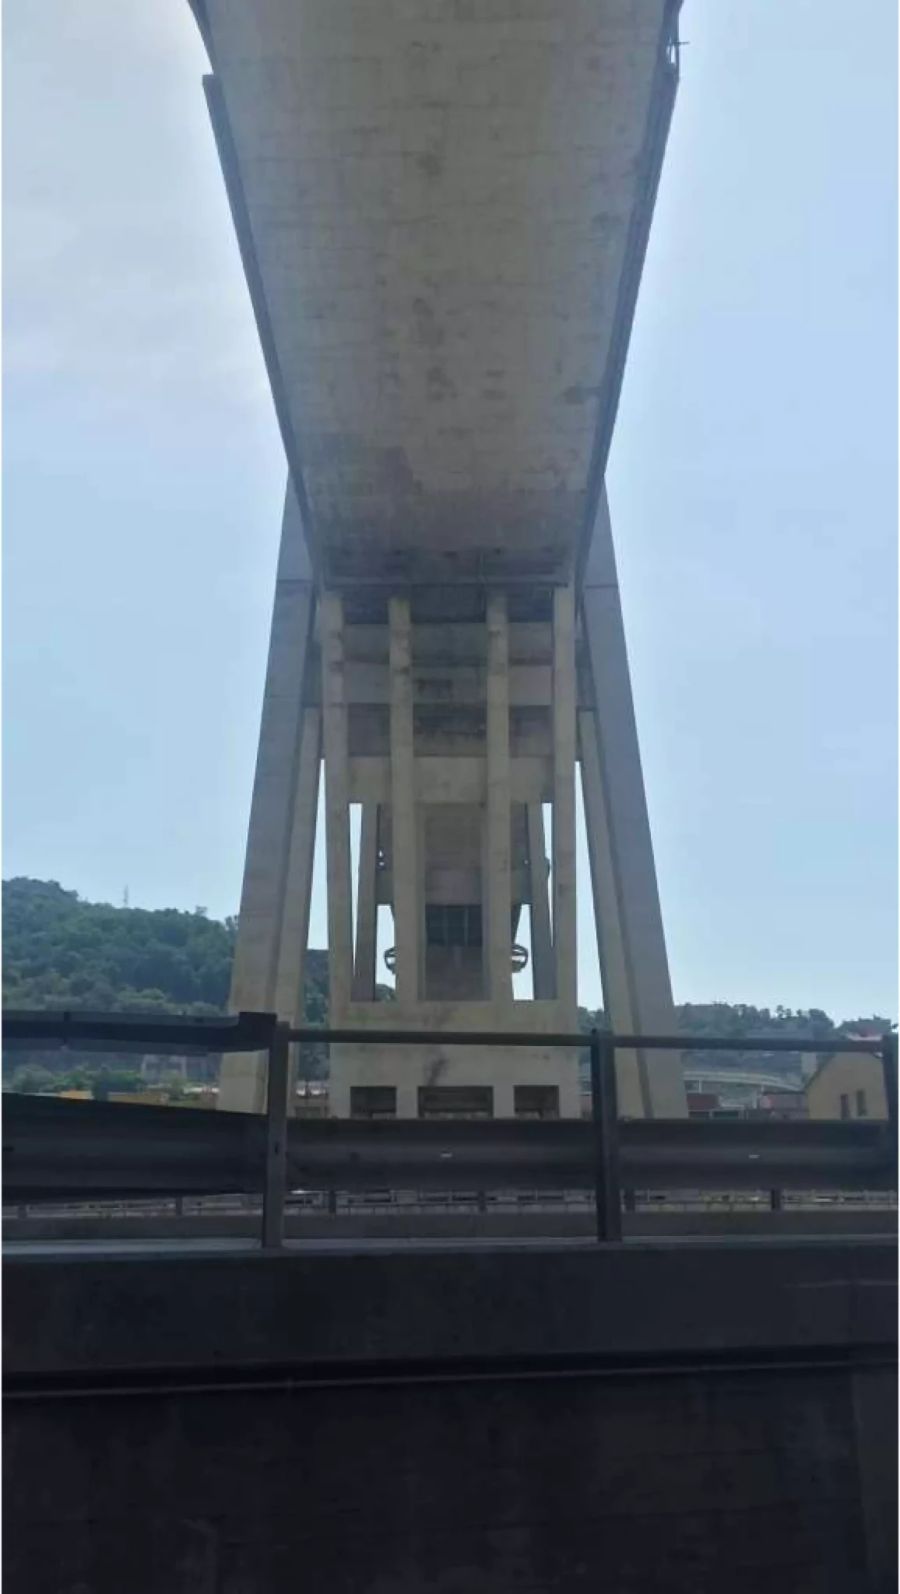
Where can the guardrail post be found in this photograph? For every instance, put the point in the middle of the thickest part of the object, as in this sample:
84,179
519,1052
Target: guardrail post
605,1108
889,1063
276,1140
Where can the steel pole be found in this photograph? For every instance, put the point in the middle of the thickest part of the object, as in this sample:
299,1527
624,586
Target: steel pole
605,1109
889,1063
276,1140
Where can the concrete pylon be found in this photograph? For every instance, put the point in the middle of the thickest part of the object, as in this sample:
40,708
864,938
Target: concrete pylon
273,922
449,717
442,220
631,943
453,736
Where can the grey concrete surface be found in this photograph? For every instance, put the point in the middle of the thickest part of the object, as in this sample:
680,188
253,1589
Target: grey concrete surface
723,1483
445,205
514,1420
339,1303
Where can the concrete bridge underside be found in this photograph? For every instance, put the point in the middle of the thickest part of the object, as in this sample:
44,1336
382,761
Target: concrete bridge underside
442,208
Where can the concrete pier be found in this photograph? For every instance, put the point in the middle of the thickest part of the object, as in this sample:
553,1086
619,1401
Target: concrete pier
442,211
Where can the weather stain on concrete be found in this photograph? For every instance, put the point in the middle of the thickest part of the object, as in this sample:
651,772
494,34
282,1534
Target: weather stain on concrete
430,165
579,394
439,383
426,330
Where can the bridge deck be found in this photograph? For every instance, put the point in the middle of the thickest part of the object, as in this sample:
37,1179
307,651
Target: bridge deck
443,209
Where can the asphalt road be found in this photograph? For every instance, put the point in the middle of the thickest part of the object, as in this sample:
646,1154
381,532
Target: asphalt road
15,1249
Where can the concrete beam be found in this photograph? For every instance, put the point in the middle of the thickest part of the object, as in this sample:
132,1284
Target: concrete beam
530,685
451,780
458,643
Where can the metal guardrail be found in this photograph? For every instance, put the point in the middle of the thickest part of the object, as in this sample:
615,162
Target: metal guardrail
182,1036
610,1154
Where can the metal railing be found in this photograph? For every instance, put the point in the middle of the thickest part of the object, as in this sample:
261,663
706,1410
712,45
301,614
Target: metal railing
262,1032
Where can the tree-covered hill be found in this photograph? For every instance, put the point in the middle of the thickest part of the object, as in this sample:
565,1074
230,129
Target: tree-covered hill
60,951
734,1020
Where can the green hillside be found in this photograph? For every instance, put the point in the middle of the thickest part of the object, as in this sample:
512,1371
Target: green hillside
62,952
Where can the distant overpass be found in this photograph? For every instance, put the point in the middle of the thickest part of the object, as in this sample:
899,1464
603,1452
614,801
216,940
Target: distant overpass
705,1077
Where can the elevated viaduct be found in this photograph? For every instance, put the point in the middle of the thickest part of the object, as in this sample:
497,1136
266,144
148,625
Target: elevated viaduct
442,208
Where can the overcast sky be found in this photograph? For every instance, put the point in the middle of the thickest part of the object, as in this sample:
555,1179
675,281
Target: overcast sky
752,487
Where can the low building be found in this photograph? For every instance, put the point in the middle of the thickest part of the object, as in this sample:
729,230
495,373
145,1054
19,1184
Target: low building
702,1103
783,1104
847,1085
140,1098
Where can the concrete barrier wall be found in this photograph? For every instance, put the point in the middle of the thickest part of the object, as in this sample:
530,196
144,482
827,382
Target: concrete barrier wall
708,1418
712,1483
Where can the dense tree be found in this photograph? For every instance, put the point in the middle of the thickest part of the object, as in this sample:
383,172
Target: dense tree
62,952
732,1020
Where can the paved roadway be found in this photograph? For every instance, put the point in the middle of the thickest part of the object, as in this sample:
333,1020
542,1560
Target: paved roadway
14,1249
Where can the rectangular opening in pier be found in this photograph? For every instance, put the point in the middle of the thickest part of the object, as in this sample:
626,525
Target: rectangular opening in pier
456,1101
536,1101
373,1101
452,844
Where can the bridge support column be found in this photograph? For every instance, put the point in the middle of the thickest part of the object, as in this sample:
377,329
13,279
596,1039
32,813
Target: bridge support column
445,445
496,866
364,972
270,951
406,840
462,724
630,941
563,712
541,943
463,731
337,807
